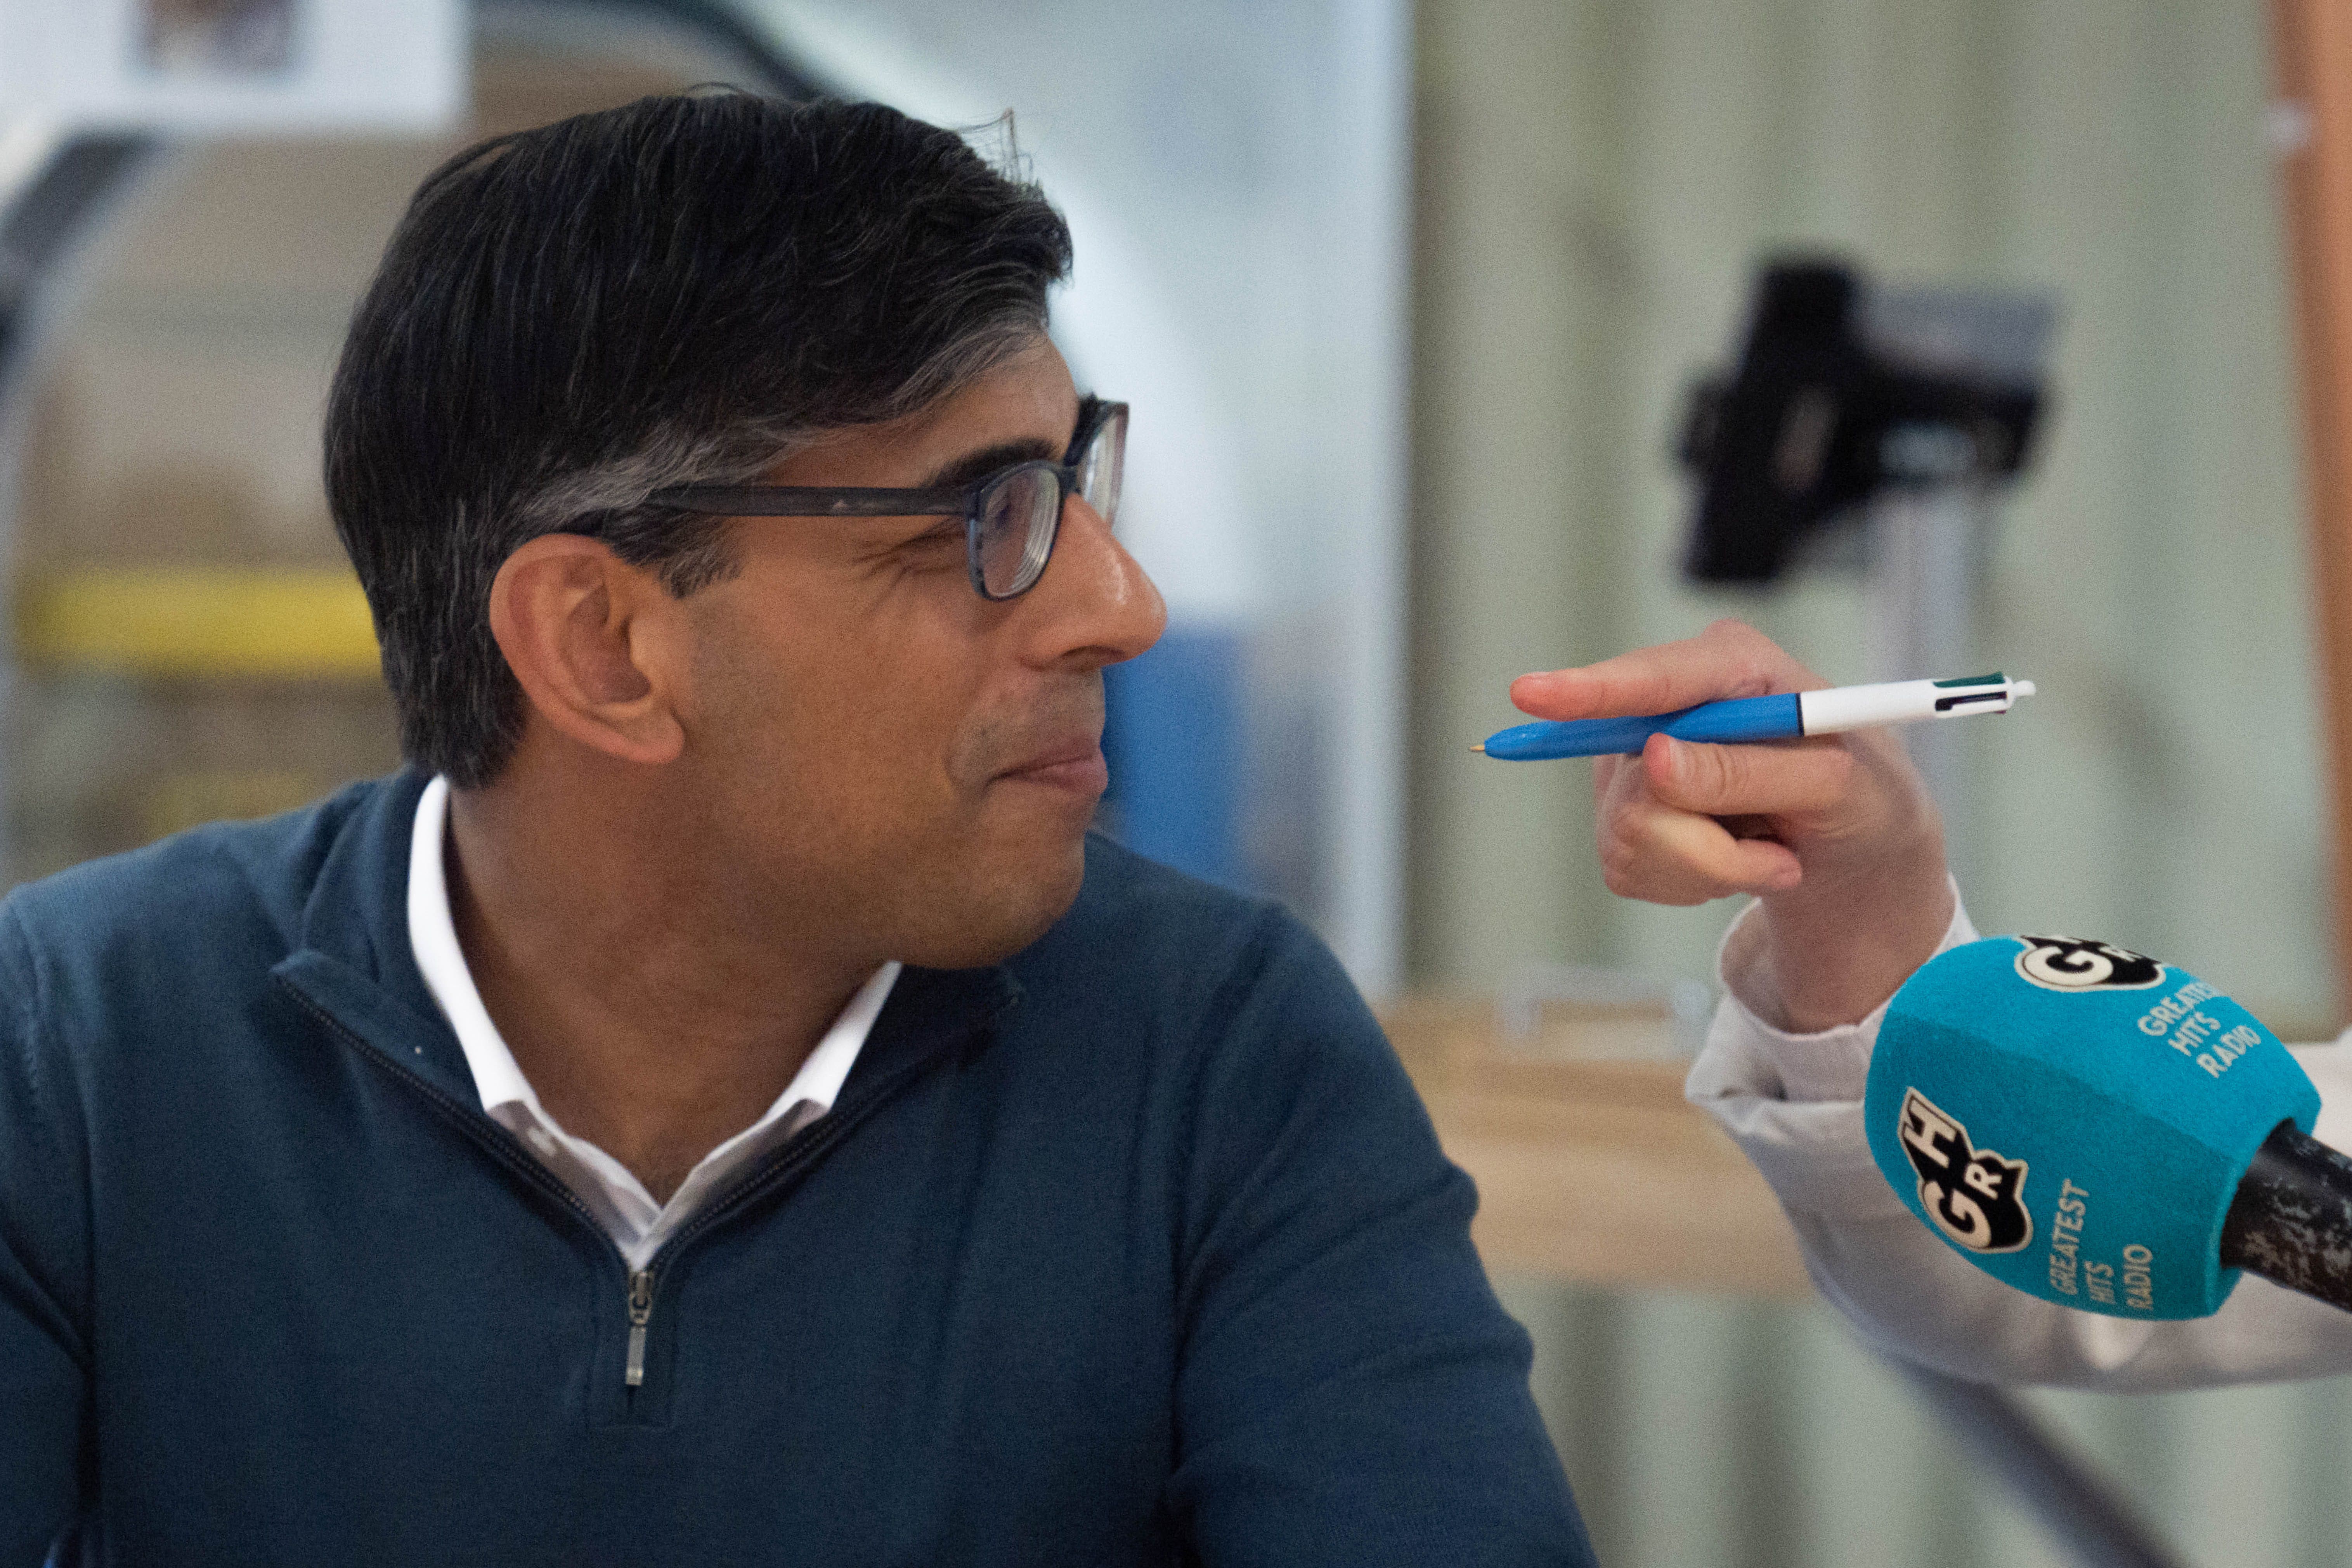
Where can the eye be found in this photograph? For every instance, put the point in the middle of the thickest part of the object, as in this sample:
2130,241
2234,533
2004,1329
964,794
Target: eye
942,542
947,531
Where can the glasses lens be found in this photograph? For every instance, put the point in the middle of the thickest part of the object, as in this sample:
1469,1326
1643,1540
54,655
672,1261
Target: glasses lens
1100,464
1018,517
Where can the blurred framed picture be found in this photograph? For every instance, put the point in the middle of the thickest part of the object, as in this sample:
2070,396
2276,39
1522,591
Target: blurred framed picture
236,66
216,37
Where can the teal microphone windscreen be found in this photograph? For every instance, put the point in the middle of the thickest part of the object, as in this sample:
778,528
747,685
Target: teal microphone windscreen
2075,1119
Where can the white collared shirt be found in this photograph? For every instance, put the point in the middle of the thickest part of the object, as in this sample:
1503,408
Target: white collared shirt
637,1224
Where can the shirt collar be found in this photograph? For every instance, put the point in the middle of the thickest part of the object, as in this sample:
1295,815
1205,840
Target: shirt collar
497,1078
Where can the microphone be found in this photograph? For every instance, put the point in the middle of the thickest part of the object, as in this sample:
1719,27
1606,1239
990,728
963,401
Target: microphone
2104,1130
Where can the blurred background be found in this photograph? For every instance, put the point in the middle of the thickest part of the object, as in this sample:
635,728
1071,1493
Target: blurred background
1409,300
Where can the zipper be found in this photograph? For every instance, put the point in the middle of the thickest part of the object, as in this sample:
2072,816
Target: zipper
470,1120
501,1145
797,1152
641,1310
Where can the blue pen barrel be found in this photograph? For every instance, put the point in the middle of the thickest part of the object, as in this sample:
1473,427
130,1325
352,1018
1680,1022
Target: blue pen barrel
1575,738
1743,719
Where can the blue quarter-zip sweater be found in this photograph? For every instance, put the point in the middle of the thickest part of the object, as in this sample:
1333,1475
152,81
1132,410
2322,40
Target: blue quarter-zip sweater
1137,1249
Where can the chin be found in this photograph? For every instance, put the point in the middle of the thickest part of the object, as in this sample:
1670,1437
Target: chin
988,915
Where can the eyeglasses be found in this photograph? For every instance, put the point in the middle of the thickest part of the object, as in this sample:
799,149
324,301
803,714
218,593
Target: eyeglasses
1011,518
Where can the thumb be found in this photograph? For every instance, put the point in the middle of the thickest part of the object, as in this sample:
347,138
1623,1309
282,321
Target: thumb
1747,780
1695,777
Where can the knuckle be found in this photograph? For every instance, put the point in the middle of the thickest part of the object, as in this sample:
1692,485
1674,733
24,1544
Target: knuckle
1617,856
1753,658
1628,793
1739,635
1622,860
1713,774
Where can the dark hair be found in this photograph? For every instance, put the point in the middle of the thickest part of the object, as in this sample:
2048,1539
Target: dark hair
679,290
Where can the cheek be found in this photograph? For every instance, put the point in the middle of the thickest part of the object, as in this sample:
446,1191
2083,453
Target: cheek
859,727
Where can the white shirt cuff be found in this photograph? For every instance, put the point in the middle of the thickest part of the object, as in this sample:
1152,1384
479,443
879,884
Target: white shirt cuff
1829,1064
1792,1101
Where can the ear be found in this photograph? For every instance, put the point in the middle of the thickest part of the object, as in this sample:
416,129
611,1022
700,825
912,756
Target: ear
586,635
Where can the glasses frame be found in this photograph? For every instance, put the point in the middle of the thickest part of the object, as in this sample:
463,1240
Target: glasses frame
968,501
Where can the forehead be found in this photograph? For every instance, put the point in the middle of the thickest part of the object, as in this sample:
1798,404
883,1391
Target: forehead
1028,399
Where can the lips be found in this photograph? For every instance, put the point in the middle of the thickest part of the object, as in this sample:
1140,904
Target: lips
1077,768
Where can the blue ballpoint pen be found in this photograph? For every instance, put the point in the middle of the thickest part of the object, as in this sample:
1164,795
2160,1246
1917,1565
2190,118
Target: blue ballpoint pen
1784,716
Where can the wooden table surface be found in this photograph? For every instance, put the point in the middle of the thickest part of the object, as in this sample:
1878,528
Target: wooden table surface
1589,1165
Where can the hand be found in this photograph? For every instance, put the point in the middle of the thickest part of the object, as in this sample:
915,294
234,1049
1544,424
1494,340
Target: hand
1834,834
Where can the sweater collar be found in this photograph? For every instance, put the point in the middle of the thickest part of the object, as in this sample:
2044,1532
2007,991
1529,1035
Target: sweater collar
355,964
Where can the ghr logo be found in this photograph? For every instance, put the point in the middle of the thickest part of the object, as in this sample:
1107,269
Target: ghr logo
1974,1195
2072,963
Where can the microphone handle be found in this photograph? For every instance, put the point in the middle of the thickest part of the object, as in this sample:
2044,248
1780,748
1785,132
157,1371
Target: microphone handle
2291,1220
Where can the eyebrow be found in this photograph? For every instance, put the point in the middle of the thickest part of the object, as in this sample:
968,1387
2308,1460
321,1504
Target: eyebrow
975,465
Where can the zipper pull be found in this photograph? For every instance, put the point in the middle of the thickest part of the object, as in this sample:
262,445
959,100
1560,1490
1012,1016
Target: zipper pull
641,1307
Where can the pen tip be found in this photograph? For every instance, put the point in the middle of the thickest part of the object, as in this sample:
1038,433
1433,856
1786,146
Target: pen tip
2018,688
1480,748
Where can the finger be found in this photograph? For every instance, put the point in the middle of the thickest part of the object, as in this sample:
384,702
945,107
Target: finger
1730,659
1747,781
1662,856
1608,774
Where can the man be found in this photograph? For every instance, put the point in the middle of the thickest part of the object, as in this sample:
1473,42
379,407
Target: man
1842,849
718,1105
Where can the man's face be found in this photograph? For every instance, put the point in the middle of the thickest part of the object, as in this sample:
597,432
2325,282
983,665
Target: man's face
876,744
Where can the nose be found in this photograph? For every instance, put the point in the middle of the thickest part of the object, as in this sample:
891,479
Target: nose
1094,605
